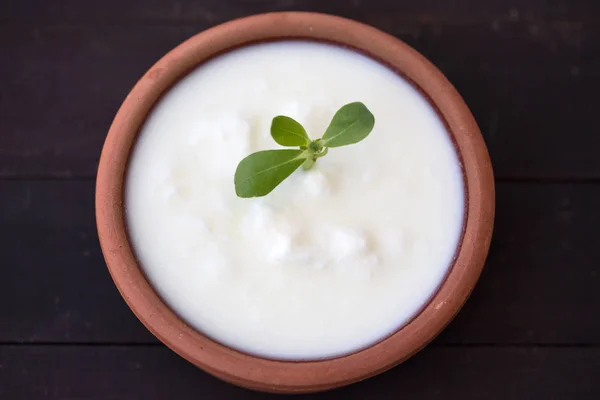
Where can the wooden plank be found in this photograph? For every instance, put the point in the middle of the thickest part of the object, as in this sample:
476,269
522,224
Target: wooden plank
219,10
73,81
532,90
72,372
540,285
542,272
55,285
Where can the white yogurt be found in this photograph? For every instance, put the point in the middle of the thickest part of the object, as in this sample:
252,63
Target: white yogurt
334,259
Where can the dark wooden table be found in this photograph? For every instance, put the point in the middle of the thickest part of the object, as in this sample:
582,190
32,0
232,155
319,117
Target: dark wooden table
529,70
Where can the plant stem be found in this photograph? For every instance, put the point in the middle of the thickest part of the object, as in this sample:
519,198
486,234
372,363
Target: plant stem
315,150
308,164
322,153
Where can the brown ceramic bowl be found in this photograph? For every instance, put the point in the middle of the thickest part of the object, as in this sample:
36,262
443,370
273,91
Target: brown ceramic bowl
289,376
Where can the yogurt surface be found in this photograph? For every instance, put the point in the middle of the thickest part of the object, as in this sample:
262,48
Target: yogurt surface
335,258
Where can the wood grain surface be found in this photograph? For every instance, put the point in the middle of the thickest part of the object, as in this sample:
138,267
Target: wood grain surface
153,372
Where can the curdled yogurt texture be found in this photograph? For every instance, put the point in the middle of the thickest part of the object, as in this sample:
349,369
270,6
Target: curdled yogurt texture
335,258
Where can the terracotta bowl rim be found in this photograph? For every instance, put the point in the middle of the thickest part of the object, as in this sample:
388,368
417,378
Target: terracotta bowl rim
294,376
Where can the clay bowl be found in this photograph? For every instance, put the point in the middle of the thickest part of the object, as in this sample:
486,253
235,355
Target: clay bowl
294,376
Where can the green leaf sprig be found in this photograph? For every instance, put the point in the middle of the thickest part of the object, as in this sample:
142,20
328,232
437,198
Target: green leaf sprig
259,173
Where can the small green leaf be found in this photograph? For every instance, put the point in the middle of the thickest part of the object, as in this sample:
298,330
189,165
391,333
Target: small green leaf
288,132
351,124
259,173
